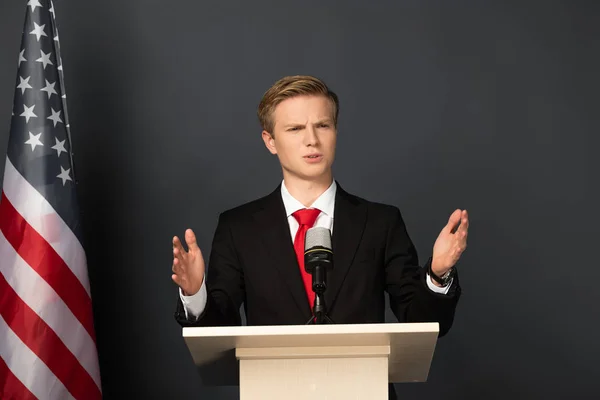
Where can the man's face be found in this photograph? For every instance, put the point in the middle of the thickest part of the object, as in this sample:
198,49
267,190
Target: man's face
304,137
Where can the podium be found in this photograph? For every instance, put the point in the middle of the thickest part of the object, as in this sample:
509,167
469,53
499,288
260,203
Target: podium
338,361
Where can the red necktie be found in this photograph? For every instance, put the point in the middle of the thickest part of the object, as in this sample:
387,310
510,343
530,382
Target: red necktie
306,218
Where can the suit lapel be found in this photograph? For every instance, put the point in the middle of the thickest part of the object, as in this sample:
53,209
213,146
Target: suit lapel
350,217
275,233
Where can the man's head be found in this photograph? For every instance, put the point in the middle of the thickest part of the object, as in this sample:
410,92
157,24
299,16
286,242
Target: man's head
299,116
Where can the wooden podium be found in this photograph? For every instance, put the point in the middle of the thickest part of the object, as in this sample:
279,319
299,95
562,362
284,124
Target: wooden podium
313,361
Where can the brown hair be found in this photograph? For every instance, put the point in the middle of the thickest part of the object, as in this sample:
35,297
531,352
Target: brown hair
291,86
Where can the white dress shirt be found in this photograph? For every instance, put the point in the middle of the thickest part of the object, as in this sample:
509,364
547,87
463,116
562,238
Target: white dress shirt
195,304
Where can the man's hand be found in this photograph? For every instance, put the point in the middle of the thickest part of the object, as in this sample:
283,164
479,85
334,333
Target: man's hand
188,267
450,243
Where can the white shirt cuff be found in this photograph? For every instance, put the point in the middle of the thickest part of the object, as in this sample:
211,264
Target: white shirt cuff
194,305
437,289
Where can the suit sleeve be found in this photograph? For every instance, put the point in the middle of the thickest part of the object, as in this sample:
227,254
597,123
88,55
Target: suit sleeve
410,298
224,284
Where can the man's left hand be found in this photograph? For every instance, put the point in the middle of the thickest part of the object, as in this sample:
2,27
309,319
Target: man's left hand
450,243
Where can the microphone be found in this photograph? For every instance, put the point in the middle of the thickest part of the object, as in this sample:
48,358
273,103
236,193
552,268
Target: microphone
318,259
318,256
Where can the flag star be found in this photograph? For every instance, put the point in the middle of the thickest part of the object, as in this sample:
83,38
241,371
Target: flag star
28,113
55,116
64,175
34,4
52,9
56,37
22,57
49,88
45,59
24,85
59,147
34,140
38,31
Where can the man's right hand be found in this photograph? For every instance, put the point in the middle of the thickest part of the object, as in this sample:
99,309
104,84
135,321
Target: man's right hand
188,267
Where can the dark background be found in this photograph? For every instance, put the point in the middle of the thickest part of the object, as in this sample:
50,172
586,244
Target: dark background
489,106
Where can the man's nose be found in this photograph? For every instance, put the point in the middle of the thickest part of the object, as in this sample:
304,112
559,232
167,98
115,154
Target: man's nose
311,138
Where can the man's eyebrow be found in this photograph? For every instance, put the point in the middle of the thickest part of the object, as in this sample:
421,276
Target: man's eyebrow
293,124
300,124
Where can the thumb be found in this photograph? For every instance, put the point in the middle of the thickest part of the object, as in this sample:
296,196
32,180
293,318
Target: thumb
190,239
453,221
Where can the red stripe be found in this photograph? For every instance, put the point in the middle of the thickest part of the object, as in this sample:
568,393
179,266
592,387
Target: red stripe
10,386
46,344
36,252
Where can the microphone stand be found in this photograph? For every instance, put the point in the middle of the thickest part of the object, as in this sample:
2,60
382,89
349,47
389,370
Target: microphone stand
319,275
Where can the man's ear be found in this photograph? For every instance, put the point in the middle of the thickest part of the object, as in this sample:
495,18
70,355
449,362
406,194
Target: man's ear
269,142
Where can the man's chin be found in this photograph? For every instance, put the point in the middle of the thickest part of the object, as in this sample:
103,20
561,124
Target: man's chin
311,174
316,176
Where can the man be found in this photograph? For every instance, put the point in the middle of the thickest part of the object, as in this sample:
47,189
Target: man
256,258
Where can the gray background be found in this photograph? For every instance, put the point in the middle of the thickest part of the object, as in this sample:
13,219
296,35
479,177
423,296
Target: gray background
488,106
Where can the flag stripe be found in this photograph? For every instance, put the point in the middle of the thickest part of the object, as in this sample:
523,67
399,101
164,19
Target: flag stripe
44,260
45,302
10,386
42,217
28,368
44,342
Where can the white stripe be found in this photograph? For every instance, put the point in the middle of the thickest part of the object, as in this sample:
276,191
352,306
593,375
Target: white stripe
43,218
28,368
48,305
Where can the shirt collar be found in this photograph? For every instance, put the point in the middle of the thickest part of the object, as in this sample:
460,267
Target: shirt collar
325,202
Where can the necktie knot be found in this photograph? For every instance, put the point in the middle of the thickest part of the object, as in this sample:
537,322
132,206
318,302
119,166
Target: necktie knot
307,216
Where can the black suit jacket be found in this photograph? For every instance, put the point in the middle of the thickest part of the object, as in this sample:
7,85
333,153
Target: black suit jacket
252,262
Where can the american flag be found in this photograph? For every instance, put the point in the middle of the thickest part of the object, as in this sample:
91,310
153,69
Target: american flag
47,340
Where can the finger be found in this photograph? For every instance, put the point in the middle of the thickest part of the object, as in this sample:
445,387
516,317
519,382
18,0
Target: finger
464,223
463,228
177,266
178,256
177,244
453,221
190,239
176,279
